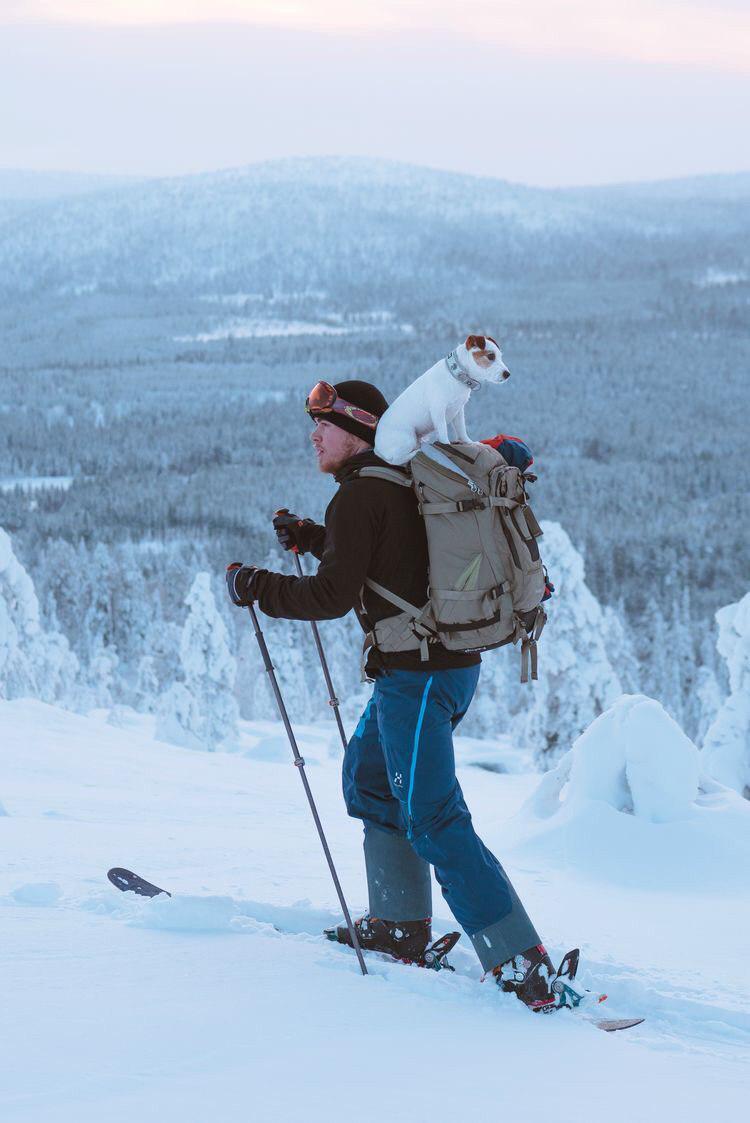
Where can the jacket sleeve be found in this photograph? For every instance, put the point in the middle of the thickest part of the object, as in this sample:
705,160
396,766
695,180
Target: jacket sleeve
350,536
317,541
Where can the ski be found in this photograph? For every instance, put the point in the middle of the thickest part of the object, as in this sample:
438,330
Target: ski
611,1025
570,998
129,882
433,958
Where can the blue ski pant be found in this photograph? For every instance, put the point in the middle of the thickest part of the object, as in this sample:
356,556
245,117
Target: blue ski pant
399,777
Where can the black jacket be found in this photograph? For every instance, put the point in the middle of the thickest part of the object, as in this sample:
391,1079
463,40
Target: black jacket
372,529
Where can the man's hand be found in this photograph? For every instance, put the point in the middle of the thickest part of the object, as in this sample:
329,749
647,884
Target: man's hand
293,532
240,580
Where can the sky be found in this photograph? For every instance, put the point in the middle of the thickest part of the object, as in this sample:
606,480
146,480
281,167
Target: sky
536,91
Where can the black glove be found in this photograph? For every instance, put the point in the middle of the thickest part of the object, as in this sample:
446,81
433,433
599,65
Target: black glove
240,581
293,532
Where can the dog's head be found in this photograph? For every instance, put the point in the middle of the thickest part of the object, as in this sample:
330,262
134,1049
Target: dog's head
484,359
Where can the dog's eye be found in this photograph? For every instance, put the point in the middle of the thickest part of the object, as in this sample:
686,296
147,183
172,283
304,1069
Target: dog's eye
491,356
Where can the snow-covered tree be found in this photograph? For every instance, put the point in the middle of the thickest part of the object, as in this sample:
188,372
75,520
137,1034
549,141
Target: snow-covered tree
32,662
618,644
726,748
254,693
496,702
200,711
577,681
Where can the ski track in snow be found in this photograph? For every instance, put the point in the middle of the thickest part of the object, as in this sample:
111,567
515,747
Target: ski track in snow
219,1001
679,1017
683,1017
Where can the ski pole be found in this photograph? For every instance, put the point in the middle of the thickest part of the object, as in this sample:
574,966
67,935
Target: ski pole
300,765
332,699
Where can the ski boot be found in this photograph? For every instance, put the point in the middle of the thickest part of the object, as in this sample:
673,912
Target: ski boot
533,980
405,940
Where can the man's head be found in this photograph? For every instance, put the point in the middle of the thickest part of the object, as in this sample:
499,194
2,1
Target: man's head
344,423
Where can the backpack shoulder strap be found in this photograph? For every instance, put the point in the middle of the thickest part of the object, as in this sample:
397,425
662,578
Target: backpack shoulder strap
398,476
393,475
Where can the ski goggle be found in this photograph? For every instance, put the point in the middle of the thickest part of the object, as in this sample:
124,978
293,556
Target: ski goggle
323,399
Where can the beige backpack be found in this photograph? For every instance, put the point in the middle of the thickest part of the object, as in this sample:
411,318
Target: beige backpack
486,579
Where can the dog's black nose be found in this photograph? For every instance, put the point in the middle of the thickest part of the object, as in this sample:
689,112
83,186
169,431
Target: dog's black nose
506,374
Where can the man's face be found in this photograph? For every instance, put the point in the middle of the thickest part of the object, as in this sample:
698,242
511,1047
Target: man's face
333,446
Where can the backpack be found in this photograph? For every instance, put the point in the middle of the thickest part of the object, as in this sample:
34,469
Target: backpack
486,578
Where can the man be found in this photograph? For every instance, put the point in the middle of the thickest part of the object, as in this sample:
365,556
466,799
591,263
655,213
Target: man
399,770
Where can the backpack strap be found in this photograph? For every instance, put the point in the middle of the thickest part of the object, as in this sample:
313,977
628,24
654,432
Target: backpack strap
529,638
422,633
460,505
394,598
393,475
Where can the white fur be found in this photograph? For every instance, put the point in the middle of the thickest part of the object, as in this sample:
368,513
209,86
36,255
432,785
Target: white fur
433,402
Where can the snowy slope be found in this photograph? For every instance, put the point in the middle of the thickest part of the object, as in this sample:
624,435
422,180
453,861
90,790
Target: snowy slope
199,1009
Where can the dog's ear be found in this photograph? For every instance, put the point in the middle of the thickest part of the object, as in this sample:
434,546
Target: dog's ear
473,341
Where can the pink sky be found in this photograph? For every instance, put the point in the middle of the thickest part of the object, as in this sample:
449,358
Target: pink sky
700,32
540,91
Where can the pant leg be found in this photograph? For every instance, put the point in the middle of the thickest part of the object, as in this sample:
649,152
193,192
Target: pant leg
398,880
417,712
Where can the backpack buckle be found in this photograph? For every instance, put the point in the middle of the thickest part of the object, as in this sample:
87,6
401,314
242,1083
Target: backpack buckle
472,504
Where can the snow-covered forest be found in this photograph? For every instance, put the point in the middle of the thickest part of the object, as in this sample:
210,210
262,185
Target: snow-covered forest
159,340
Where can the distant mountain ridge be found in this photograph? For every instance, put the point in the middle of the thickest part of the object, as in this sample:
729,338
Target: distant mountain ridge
345,223
23,183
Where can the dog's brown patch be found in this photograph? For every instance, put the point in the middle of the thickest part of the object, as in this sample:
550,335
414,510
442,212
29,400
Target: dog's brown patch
473,341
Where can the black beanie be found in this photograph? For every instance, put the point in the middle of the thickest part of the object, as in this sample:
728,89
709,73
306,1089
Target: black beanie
364,395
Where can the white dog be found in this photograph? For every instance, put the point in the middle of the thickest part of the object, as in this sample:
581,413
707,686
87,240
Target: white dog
437,399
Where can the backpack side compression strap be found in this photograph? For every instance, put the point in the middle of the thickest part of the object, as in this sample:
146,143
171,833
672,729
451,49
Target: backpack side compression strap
394,598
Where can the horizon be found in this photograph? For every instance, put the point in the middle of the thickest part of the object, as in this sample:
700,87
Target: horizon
143,177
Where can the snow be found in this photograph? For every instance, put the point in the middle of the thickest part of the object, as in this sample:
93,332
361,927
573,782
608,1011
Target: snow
577,679
259,328
200,711
36,483
636,757
721,277
632,779
726,747
224,1001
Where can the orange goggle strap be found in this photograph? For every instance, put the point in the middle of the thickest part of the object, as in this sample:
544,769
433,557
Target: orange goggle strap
323,399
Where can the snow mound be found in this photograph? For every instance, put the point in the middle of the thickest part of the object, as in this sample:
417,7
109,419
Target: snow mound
267,741
186,914
44,893
627,803
637,759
